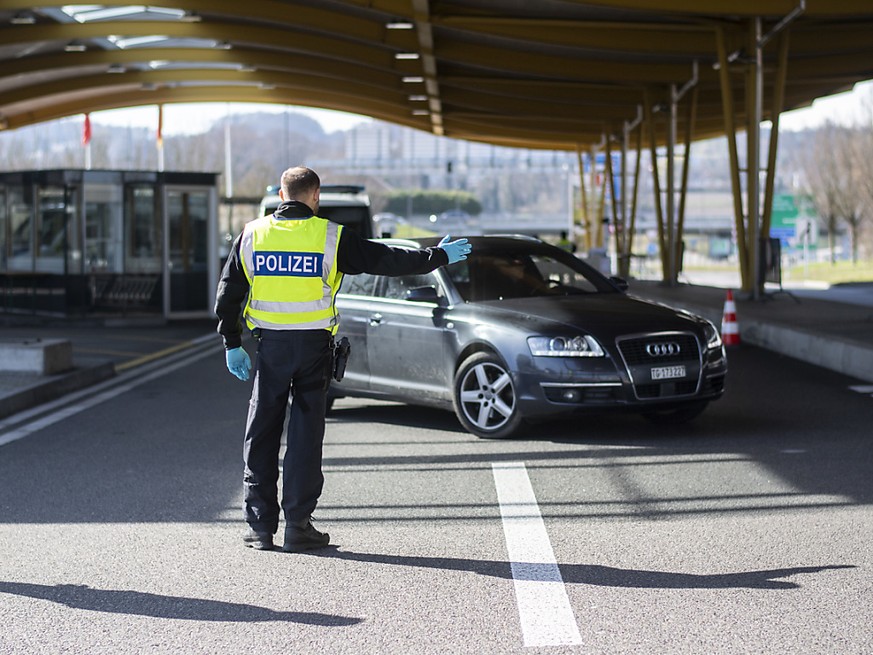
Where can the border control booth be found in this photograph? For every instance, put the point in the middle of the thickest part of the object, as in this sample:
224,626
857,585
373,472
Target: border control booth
103,243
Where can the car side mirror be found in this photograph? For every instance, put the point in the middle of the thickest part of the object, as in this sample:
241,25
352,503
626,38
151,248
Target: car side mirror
619,282
423,294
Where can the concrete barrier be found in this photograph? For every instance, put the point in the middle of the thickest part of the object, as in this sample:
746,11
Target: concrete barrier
40,356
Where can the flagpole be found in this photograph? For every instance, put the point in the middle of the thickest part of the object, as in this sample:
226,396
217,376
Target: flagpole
160,138
228,170
86,141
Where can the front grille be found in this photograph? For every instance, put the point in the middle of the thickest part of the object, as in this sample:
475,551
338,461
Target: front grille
644,353
665,390
633,350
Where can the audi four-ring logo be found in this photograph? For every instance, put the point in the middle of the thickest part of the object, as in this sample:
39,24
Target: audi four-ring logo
662,349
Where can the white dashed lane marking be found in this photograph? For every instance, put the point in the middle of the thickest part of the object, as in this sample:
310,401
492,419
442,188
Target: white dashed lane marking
863,388
543,606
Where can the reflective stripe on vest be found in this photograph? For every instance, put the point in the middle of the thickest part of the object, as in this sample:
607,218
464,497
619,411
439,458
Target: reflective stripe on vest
291,268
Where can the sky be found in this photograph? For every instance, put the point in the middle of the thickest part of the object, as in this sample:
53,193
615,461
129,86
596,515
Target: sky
195,118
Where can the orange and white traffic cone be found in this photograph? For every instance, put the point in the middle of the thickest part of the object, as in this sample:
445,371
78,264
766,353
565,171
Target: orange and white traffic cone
730,330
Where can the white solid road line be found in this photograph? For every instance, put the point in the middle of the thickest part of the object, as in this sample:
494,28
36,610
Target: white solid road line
543,606
118,389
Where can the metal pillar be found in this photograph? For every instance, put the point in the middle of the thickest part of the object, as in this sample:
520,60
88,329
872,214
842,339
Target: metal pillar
690,119
624,239
754,115
671,189
584,198
674,234
727,99
775,113
656,179
749,232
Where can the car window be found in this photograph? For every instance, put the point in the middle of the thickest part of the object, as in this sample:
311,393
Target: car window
359,285
504,275
396,287
561,276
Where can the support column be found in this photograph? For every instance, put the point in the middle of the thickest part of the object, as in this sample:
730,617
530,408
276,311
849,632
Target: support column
727,99
775,113
656,180
633,214
624,239
610,178
754,91
584,198
690,119
671,189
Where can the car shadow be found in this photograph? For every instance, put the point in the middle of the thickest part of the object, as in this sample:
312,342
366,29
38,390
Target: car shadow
408,416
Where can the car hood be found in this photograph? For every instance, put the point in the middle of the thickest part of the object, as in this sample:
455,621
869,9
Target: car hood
605,316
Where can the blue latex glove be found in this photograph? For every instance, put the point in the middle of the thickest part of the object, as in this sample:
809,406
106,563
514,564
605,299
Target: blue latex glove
238,363
456,250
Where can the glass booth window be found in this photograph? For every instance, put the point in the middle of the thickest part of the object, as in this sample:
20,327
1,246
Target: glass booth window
4,227
20,249
143,233
74,230
103,228
188,214
52,222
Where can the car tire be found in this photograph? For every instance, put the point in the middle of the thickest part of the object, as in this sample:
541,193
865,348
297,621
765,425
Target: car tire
678,415
484,397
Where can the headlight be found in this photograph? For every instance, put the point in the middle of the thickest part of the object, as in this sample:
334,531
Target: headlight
580,346
713,338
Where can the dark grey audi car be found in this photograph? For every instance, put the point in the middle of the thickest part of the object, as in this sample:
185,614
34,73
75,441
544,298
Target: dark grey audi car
523,331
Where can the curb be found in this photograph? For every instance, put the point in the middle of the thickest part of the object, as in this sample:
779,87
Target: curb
835,355
43,392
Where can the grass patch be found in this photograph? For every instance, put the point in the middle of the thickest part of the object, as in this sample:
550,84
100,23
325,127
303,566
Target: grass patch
841,271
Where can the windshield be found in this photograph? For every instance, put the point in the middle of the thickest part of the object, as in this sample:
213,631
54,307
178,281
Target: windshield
524,274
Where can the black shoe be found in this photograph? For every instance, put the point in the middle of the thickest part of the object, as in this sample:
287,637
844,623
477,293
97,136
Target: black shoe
258,540
303,536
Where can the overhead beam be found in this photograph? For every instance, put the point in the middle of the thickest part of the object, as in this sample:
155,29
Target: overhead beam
136,96
301,83
765,8
245,57
289,39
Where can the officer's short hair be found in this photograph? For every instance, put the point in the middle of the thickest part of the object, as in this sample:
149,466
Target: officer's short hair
298,181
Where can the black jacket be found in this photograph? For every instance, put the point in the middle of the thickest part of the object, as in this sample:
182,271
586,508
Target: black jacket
354,255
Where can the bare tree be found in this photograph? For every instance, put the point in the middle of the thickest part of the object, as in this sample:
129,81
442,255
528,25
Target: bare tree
851,202
863,166
824,179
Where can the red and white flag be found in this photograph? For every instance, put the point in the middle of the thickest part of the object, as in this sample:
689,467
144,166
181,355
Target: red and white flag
160,126
86,131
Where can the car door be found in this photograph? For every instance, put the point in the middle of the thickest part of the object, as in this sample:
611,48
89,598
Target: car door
354,303
406,341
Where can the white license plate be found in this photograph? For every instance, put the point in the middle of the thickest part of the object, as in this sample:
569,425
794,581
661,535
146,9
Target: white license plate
668,372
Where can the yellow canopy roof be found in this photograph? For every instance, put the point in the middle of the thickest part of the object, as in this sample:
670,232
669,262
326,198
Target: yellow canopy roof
540,74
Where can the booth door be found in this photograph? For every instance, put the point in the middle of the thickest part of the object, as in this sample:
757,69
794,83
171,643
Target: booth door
189,287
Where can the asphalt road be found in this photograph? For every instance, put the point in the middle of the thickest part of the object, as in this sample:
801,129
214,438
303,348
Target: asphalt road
748,531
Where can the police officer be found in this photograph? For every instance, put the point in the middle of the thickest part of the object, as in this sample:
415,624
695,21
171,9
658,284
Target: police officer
287,269
565,243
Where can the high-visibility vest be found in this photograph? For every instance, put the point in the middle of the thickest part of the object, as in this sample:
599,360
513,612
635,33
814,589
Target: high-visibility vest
291,266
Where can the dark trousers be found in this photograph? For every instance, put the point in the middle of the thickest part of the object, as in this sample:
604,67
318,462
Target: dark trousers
295,362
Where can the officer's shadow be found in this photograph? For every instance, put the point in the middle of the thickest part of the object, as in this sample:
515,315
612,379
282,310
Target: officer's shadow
139,603
592,574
